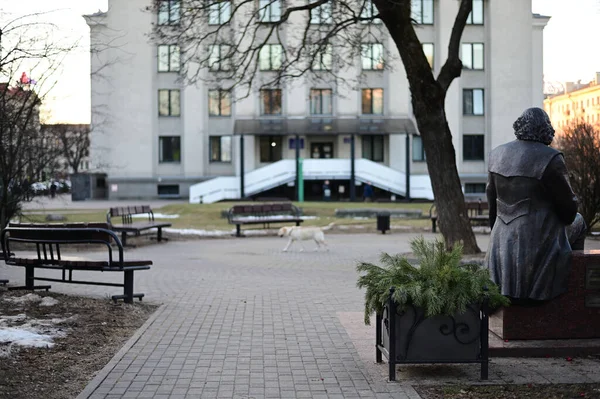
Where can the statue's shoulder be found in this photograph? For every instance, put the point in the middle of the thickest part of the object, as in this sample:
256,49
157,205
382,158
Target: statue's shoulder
521,158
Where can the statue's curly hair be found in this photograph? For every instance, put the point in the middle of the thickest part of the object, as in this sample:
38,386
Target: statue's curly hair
534,125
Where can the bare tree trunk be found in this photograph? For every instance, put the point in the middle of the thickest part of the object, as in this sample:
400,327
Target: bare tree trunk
428,97
441,163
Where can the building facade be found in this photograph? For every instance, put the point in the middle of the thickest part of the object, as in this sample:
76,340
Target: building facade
575,103
159,138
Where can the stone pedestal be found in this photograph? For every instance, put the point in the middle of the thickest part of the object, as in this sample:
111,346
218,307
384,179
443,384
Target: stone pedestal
575,314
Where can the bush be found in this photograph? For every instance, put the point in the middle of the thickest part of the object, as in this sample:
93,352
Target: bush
441,285
580,144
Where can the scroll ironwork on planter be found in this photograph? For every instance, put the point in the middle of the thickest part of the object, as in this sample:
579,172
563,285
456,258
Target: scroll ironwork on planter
409,337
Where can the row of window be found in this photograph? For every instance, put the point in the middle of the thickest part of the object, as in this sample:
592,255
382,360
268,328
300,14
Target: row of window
270,11
219,102
270,57
271,149
321,102
473,148
579,104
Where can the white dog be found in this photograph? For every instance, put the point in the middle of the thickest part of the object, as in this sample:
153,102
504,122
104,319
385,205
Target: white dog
299,233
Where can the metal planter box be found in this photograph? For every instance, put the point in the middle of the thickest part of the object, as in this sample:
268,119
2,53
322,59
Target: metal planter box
409,337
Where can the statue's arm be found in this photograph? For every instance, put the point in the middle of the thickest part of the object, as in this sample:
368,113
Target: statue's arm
490,191
556,181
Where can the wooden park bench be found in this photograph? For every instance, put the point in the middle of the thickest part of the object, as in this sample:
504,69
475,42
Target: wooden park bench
53,246
265,214
128,226
478,212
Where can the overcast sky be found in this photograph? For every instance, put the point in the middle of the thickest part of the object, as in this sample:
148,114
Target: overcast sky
570,46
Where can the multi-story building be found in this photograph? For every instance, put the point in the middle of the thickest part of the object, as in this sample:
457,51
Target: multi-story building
575,103
164,138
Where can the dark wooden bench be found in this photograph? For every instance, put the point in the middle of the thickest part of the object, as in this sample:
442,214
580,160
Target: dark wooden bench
128,226
54,249
265,214
478,212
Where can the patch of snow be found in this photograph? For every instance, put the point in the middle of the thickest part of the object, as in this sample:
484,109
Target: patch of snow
360,218
24,299
8,320
196,232
25,337
46,301
214,233
49,301
19,331
157,216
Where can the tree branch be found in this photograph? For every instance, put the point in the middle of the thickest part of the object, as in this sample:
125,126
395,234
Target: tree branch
453,66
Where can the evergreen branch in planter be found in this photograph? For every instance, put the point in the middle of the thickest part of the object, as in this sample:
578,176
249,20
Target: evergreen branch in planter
440,284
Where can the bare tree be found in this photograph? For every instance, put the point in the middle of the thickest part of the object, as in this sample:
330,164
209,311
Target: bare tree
580,143
73,142
221,42
25,45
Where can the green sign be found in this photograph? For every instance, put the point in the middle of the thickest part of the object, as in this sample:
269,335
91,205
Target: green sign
300,180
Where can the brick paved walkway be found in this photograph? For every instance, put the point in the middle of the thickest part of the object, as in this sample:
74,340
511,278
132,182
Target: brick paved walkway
241,319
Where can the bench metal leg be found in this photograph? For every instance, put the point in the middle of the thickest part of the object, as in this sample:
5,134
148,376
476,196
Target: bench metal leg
298,223
30,281
238,232
159,234
433,223
3,282
128,294
124,238
378,339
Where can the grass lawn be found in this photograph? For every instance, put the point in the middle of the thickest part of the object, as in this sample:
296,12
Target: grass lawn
208,216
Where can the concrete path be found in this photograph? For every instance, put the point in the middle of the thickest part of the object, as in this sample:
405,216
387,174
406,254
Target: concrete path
242,319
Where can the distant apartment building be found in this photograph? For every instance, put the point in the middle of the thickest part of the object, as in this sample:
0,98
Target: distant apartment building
165,139
575,103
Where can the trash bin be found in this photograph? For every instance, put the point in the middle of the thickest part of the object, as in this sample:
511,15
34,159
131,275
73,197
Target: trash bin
383,221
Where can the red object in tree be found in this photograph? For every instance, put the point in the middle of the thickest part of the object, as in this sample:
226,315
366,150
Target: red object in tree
24,79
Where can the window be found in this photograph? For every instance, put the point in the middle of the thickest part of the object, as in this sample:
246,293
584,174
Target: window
428,51
472,55
421,11
321,101
219,57
269,10
372,56
270,101
219,12
418,151
168,58
168,190
473,147
476,16
270,148
372,101
219,102
473,102
220,148
270,57
474,188
169,12
323,58
321,15
372,147
368,12
168,103
169,149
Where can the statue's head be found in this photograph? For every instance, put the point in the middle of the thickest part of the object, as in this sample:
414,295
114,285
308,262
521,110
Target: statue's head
534,125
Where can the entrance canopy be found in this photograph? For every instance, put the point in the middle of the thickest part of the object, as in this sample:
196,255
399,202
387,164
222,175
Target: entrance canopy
334,126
